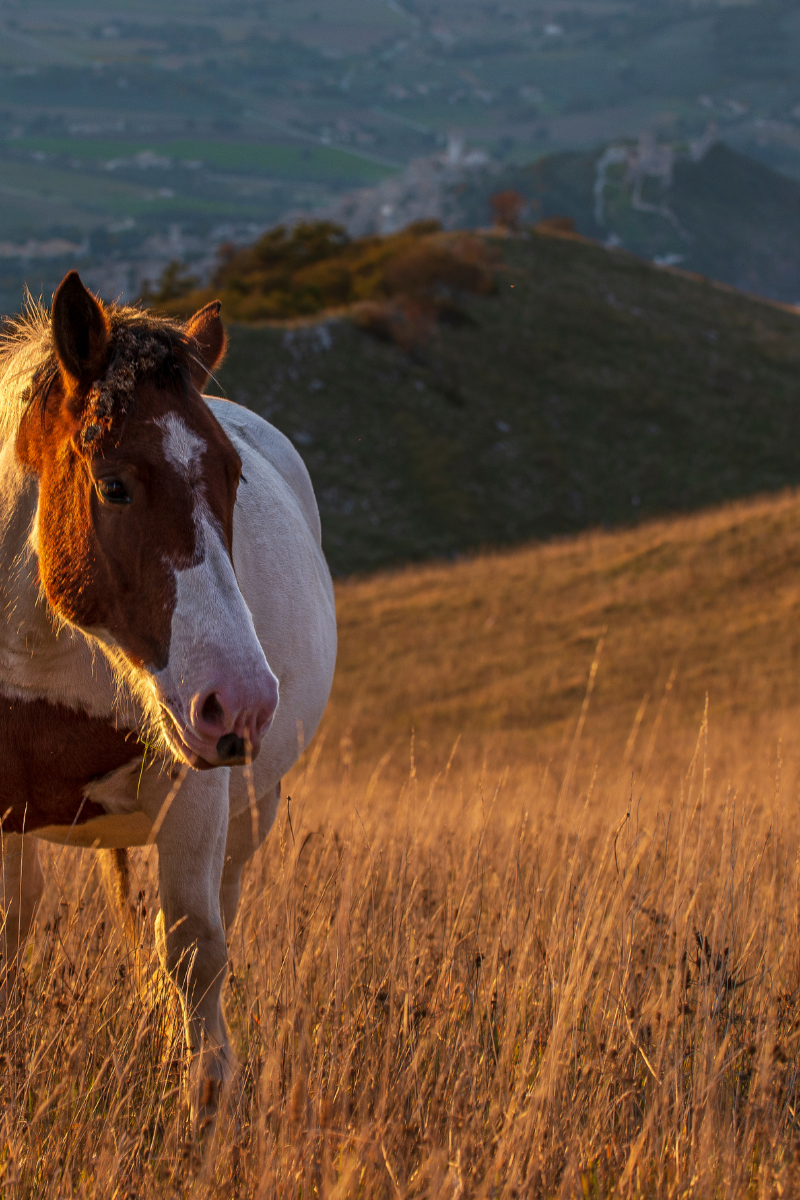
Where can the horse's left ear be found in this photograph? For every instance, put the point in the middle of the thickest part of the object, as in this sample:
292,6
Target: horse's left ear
206,333
80,329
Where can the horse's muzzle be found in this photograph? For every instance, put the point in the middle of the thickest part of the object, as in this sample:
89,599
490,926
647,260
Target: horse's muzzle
227,721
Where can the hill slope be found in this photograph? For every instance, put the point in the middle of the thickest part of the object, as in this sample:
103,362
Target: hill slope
532,966
496,651
727,215
590,389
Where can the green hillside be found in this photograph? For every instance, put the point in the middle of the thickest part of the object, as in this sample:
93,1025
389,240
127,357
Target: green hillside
727,215
590,389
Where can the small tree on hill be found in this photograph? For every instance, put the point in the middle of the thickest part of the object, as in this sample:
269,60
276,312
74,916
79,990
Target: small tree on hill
507,208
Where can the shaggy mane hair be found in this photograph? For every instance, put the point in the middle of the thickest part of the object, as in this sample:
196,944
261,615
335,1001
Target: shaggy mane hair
141,346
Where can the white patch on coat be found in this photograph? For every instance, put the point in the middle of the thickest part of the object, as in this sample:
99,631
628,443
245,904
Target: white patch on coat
283,577
212,635
182,446
119,791
114,832
212,638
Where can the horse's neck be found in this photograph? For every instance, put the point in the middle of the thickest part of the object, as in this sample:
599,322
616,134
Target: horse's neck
38,660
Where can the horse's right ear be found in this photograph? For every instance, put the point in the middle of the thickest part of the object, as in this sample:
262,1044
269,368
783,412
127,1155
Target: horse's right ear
80,330
207,335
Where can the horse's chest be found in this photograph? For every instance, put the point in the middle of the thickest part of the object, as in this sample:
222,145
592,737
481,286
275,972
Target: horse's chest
49,755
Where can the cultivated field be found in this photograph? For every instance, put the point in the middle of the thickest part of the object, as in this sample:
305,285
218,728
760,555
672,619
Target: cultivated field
545,945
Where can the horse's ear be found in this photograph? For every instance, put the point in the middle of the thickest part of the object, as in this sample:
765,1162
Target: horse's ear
208,340
80,329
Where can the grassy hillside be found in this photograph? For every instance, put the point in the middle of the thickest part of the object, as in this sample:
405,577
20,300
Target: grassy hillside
727,216
559,958
591,389
496,650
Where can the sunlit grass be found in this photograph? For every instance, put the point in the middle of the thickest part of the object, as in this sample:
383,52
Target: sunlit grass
471,970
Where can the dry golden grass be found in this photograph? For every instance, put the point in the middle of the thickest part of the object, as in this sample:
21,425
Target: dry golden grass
561,959
497,648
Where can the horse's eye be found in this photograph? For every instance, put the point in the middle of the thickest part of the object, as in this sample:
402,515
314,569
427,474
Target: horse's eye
113,491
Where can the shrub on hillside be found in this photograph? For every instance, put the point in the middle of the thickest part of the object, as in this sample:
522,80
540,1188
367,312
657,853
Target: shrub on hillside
507,208
399,283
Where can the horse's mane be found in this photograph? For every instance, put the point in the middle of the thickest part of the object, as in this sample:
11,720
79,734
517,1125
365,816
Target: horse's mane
140,344
26,343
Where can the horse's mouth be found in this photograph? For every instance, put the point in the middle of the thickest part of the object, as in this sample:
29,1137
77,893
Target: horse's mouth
178,744
230,750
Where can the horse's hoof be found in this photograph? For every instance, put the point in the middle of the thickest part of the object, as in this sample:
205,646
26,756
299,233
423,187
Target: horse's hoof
207,1109
210,1078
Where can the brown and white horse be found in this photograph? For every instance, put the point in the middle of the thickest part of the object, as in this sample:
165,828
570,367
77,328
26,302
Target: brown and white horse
167,613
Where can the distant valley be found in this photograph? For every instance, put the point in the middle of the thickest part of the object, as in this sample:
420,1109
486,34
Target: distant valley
129,139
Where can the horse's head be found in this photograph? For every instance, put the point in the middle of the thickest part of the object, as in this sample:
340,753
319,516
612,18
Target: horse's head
134,527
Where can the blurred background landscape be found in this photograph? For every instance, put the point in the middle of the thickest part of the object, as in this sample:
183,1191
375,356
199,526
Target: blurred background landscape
562,384
135,135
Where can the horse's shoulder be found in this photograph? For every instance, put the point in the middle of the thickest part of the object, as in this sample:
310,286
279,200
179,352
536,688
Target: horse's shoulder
284,468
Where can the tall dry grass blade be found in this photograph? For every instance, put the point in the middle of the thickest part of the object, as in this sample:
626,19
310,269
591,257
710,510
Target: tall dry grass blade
573,753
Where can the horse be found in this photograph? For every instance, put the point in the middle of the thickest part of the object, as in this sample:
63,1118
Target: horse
168,637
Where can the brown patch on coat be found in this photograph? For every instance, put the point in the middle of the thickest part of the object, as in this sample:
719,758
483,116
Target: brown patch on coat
50,754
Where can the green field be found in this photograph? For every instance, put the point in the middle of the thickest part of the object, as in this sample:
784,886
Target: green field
280,108
281,159
35,199
73,187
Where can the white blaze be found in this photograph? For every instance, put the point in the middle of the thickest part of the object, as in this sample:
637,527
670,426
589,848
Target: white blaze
182,446
212,635
213,640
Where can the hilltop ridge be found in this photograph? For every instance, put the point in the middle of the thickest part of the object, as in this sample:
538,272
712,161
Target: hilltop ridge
591,389
698,203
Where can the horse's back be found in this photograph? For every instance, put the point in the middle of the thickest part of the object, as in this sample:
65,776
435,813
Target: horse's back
244,426
284,579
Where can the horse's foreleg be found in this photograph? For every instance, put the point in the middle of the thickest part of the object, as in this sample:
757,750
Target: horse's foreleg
245,835
189,932
21,887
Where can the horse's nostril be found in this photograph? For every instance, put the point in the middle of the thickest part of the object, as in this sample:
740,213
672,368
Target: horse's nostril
230,747
263,718
212,711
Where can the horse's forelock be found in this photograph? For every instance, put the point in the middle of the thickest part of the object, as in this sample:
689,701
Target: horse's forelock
143,350
142,347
